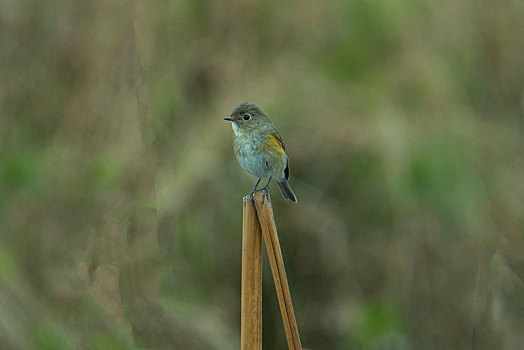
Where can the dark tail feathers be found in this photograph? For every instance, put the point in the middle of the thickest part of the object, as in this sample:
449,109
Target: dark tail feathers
286,190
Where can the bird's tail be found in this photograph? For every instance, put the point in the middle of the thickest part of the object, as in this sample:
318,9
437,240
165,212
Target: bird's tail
286,190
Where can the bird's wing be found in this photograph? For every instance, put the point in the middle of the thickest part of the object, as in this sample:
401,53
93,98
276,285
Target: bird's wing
276,137
274,134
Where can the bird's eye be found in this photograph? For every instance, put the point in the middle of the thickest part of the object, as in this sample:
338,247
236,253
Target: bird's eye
247,116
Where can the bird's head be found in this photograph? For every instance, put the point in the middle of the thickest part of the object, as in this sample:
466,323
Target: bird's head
247,117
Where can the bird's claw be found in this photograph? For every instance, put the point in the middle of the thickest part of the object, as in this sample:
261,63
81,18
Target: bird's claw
264,190
251,194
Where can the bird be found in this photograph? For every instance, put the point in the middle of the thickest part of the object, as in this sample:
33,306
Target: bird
259,149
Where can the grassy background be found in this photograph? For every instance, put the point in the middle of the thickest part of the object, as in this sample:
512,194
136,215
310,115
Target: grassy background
120,198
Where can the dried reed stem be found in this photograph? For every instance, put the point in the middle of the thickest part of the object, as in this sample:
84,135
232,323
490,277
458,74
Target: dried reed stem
269,232
251,298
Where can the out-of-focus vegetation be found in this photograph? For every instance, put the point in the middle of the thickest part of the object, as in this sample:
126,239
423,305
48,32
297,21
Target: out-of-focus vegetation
120,198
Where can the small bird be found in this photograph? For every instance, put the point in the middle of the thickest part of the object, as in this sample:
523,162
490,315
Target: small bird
259,148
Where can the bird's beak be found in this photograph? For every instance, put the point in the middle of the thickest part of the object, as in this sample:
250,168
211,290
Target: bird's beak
228,118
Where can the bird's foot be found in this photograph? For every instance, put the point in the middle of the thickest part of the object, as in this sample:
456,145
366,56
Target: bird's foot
251,194
265,190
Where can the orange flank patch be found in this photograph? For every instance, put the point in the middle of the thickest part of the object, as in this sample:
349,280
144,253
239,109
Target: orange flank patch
275,145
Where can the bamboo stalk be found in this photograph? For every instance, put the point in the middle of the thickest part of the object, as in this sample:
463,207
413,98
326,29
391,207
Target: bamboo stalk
251,293
269,232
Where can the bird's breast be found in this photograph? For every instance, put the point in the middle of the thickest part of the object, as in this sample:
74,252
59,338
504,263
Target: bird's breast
248,143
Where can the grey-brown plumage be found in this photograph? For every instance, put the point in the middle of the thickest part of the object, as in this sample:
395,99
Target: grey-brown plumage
259,148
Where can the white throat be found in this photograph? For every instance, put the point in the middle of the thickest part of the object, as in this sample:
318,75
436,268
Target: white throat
236,129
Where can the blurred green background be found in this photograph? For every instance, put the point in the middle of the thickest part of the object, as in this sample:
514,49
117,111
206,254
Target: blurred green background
121,199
